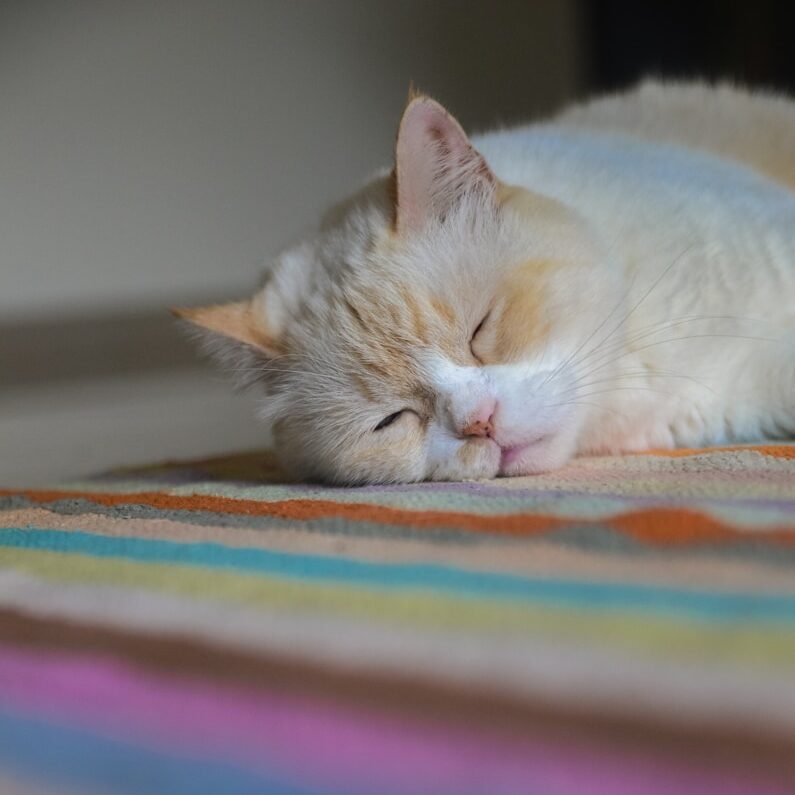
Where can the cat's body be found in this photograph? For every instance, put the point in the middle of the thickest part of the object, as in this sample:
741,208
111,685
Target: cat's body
633,263
722,234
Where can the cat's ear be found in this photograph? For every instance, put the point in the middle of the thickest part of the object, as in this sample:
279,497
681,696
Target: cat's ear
435,165
245,322
243,333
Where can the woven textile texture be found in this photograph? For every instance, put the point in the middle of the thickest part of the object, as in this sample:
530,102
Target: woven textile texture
625,625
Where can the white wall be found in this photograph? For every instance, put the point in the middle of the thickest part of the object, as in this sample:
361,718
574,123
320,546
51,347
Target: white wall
153,151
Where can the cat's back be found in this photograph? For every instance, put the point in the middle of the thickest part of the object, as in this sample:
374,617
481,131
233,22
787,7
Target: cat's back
754,128
621,177
721,136
638,167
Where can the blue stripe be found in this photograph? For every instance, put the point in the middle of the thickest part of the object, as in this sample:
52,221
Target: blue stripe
698,604
54,755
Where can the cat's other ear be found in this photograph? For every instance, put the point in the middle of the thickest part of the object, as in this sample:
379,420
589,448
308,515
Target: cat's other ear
244,322
258,324
435,165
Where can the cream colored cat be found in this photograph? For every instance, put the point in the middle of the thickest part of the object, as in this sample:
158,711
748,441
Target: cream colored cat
620,278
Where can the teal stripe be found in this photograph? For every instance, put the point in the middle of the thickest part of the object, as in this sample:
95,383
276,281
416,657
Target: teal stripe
699,604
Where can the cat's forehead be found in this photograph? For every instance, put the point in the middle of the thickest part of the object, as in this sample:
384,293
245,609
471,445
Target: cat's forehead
376,343
373,308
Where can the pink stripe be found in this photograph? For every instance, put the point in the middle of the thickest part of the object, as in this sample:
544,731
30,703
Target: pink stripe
332,745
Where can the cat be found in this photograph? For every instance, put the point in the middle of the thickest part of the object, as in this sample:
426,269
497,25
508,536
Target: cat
619,278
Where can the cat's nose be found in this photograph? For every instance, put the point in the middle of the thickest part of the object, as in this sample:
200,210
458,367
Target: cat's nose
478,428
481,422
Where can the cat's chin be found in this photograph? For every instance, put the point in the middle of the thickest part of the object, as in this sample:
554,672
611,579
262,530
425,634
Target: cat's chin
541,455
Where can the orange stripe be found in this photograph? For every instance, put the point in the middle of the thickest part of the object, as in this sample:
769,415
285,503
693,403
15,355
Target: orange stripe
772,450
656,526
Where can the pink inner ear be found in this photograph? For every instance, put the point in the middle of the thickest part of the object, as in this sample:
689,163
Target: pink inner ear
435,164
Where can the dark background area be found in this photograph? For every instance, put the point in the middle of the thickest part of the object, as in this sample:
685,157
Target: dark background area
749,42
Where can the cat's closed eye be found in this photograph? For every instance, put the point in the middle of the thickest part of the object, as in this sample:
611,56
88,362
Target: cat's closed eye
388,420
475,333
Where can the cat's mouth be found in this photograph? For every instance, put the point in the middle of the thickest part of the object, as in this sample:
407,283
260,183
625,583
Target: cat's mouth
512,454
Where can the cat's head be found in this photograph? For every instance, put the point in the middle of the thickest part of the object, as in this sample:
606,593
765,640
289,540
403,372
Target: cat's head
425,331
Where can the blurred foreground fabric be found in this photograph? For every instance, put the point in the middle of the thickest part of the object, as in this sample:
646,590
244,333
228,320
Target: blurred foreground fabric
624,625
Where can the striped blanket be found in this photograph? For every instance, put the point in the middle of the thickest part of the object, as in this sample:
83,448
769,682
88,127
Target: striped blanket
622,626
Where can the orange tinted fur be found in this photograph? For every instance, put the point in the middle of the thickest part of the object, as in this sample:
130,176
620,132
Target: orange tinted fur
237,320
523,324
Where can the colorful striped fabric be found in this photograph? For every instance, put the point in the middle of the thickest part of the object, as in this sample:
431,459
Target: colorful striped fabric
626,625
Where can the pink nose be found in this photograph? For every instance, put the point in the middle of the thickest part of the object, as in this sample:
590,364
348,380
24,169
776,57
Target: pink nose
481,423
478,428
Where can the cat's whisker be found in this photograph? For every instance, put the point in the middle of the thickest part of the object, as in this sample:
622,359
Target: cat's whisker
643,297
574,358
578,384
644,372
628,389
571,358
679,339
606,357
271,369
582,403
657,328
701,336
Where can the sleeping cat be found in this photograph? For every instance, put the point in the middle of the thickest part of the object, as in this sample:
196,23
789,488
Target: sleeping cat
619,278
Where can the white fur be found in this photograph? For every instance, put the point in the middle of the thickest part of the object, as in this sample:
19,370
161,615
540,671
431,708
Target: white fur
706,248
